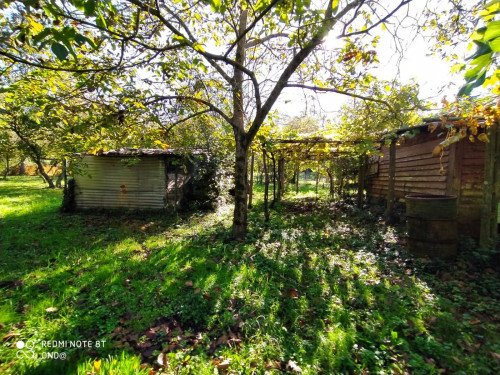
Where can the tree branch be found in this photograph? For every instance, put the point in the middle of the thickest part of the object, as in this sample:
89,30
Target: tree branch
167,130
251,26
191,98
304,52
257,41
352,95
382,20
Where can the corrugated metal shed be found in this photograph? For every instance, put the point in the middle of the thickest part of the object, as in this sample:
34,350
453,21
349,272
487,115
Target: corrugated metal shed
132,178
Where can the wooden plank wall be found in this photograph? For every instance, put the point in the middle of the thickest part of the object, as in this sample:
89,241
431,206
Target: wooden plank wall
469,178
417,171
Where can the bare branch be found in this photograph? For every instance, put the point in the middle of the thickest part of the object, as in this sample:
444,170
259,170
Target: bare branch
252,25
301,55
256,42
352,95
167,130
382,20
212,107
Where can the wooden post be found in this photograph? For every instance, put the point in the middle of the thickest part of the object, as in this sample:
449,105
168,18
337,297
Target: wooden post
489,206
297,176
489,174
389,212
250,185
496,188
281,177
65,175
273,159
266,186
362,177
317,183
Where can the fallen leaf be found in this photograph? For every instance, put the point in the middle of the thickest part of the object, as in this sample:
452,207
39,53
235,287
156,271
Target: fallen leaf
162,359
292,293
293,367
51,309
272,365
10,335
197,290
207,296
222,364
189,284
457,360
495,355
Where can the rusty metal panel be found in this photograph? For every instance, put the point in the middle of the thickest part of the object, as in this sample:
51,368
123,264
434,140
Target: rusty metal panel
113,182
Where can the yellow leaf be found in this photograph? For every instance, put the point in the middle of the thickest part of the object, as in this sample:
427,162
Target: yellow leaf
35,26
97,365
384,27
437,150
483,138
387,88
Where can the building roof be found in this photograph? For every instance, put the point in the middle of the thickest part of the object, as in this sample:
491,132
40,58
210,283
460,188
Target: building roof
127,151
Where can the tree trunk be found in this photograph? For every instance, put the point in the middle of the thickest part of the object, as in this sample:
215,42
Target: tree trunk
389,212
241,140
240,191
266,186
250,185
22,167
7,166
44,175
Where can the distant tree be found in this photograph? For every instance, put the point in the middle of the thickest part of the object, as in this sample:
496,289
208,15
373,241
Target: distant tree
232,59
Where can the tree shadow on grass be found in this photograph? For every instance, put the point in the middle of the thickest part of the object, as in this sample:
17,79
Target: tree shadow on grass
306,290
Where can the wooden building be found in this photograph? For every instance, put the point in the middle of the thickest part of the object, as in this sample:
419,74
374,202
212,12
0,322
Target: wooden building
138,179
459,171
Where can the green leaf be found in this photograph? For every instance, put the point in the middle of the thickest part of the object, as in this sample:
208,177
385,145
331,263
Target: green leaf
89,7
39,37
492,30
60,51
495,45
79,4
491,3
482,60
482,49
215,5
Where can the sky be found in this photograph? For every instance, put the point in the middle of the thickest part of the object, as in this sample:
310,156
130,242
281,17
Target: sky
431,72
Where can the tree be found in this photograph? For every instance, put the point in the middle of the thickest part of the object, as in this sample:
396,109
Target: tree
214,56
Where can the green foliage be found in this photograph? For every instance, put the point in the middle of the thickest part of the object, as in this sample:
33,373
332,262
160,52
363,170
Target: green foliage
324,287
366,121
482,68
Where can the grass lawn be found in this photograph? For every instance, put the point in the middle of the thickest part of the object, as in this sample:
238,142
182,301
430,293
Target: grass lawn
324,288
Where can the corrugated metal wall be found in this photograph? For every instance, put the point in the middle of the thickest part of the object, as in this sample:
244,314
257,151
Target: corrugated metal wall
112,182
417,171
